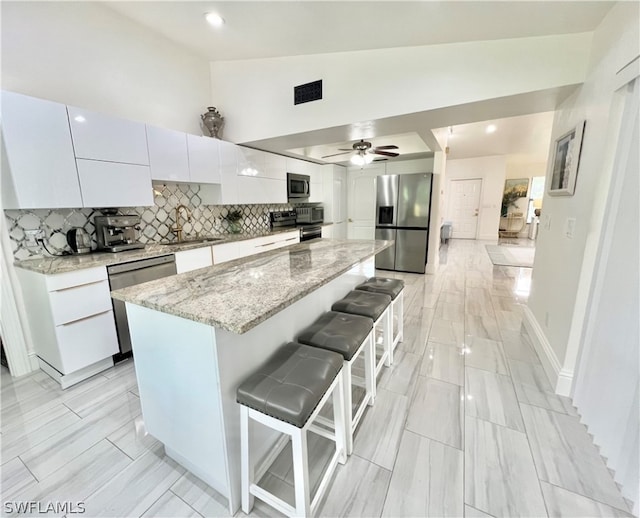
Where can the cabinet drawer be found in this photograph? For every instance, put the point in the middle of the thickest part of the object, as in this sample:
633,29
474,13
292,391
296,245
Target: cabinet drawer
70,304
188,260
61,281
87,341
225,252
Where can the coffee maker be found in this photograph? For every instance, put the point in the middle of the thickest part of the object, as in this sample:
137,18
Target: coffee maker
118,233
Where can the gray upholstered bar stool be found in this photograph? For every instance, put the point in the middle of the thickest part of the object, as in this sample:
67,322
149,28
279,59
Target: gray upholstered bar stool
286,394
395,289
349,335
377,307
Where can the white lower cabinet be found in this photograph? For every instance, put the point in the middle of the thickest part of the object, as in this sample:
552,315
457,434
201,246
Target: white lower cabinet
230,251
327,232
188,260
226,252
71,322
86,341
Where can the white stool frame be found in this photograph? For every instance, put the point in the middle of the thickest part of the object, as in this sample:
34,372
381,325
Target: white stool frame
397,309
386,319
304,504
352,420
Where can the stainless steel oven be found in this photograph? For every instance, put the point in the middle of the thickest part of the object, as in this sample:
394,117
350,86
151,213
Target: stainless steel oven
298,187
308,232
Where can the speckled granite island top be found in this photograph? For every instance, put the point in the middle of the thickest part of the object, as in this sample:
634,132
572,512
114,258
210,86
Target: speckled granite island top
241,294
69,263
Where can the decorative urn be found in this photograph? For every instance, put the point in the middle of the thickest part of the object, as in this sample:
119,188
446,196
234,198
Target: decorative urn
213,122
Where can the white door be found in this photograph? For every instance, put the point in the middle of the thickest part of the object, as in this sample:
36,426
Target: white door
361,208
464,207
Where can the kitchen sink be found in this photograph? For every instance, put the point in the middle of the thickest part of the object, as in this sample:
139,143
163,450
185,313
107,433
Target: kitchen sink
192,241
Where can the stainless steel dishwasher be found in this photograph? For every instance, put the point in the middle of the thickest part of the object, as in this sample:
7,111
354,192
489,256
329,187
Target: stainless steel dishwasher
123,275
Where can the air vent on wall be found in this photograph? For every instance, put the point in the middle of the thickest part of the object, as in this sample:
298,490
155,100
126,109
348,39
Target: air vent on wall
307,92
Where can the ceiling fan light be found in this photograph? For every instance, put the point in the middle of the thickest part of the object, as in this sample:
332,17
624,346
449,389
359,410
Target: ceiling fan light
367,159
358,160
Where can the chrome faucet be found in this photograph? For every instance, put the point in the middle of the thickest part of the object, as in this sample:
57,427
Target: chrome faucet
178,228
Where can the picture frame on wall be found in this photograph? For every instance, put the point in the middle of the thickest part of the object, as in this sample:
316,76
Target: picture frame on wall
564,162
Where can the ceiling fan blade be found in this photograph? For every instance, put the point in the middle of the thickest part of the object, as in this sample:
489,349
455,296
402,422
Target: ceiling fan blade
380,159
343,149
336,154
386,147
385,153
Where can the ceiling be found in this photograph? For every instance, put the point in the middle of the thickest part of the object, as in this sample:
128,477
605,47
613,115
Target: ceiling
264,29
525,135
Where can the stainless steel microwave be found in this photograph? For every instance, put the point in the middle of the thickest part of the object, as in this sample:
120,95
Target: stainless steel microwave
298,187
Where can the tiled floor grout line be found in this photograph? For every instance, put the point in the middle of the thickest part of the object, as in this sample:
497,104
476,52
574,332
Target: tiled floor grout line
526,433
170,490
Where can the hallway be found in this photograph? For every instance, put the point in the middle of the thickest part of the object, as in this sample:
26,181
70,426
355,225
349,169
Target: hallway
465,424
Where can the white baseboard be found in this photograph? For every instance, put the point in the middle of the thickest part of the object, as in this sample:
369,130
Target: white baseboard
560,378
33,361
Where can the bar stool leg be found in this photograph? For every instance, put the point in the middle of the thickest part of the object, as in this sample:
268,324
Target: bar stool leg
339,421
388,336
401,316
370,367
301,472
245,459
348,411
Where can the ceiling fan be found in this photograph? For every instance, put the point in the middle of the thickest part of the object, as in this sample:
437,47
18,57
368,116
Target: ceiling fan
365,153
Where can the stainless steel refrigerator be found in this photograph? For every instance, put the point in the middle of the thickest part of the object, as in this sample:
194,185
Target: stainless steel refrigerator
402,213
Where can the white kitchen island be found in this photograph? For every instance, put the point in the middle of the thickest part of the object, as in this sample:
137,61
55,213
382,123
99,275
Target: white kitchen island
198,335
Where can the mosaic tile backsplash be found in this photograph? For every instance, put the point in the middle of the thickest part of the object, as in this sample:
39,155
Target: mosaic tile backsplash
156,221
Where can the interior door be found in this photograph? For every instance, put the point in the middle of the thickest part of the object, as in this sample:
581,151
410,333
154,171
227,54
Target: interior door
361,208
464,207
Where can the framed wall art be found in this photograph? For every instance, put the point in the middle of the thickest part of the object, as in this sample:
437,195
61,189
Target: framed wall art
564,162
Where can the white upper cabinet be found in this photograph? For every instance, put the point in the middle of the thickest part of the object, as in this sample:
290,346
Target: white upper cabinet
38,165
228,170
168,156
108,184
204,159
251,162
275,167
97,136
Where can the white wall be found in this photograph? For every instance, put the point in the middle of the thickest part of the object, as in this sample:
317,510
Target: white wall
256,96
85,54
559,285
491,169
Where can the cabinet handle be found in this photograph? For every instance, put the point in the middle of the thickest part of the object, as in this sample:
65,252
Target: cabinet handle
267,244
80,285
85,318
291,239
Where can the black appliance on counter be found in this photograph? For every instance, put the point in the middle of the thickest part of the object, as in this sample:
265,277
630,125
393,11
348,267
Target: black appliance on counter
287,219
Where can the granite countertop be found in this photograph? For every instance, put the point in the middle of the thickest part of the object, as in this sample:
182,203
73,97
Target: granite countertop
68,263
241,294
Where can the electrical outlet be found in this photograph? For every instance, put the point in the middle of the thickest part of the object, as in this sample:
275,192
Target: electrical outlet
33,236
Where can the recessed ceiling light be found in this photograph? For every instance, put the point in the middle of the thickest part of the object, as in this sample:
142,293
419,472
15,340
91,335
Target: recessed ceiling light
214,19
79,118
491,128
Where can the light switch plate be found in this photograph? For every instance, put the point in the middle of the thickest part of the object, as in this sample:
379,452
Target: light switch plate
570,228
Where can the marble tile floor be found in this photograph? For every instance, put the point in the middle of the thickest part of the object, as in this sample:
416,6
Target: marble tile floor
465,424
